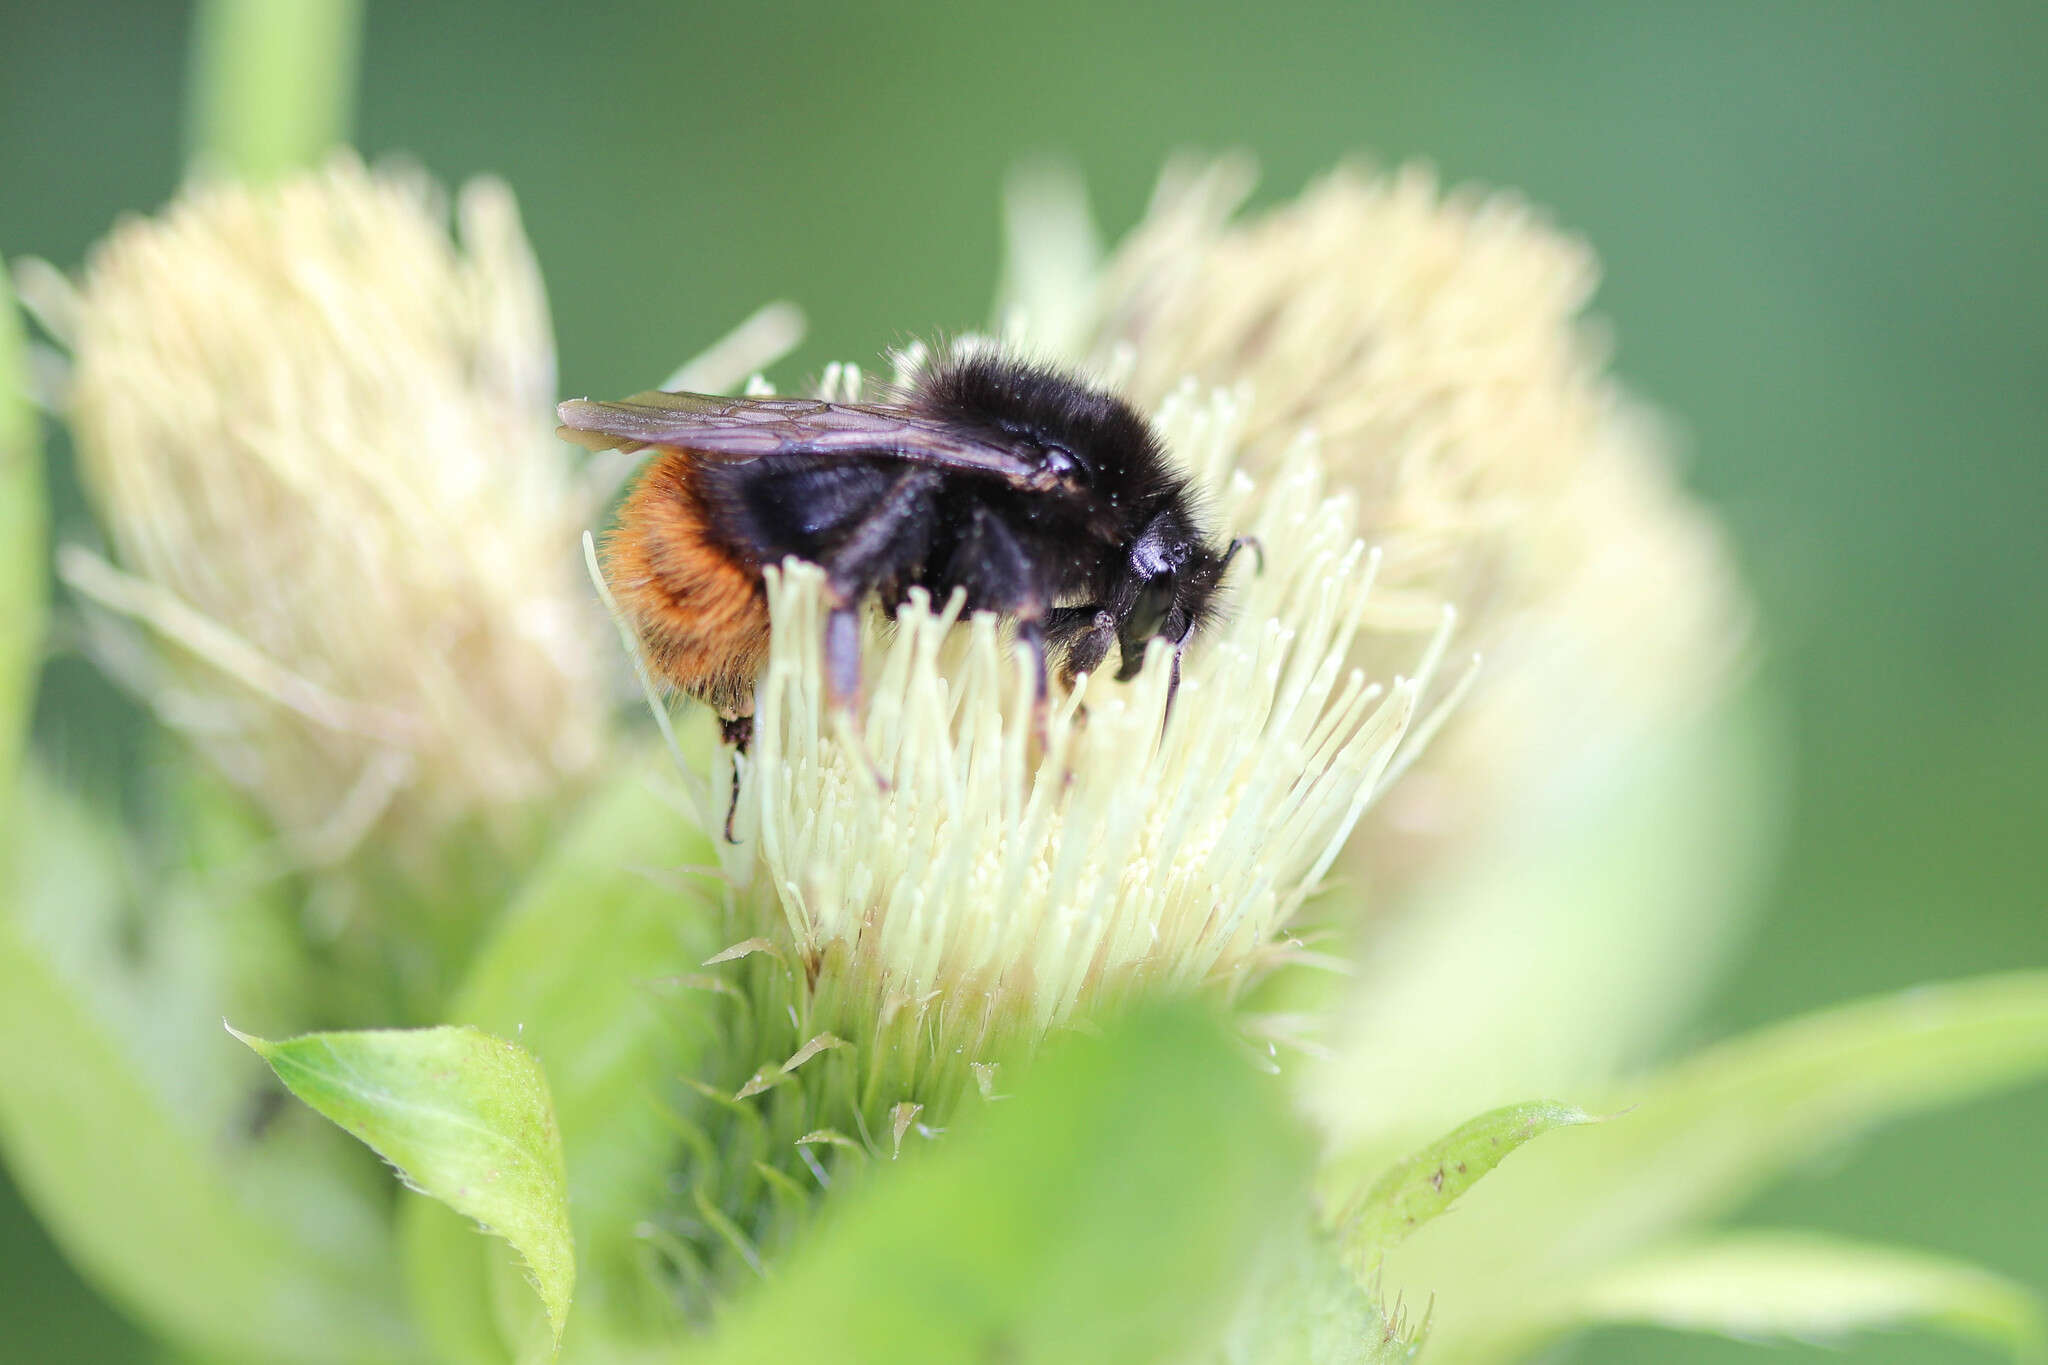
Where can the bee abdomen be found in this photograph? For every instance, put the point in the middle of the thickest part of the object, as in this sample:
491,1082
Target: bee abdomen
700,610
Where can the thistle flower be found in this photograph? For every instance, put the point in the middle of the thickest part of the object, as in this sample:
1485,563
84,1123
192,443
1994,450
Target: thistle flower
924,889
1390,376
317,434
1434,343
1391,392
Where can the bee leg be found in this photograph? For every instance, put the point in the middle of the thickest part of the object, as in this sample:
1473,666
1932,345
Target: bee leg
1172,684
1090,645
842,659
1031,639
1084,634
878,545
842,682
738,733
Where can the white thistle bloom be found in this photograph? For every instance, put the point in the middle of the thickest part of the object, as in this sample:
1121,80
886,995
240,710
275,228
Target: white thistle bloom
942,887
1555,882
1416,361
1435,342
318,435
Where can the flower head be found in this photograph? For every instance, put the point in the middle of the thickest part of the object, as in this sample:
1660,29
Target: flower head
1387,390
944,886
1434,343
317,434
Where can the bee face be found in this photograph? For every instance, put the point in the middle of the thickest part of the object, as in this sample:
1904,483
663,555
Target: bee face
1038,496
1168,584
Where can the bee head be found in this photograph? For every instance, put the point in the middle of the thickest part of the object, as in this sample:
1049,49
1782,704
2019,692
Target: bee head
1169,587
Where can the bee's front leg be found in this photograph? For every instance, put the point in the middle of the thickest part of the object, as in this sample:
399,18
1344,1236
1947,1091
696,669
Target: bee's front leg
1088,644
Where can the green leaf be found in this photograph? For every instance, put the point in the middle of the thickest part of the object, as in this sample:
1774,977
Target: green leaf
464,1116
237,1237
583,969
448,1272
1415,1190
1303,1307
1796,1285
1109,1212
1702,1136
146,1214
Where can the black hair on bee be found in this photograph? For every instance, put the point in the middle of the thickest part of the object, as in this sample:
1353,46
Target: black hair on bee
1040,497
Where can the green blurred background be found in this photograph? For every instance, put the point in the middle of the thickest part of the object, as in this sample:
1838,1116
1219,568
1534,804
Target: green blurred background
1822,225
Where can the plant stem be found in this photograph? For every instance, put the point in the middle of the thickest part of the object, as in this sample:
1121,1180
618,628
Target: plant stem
272,84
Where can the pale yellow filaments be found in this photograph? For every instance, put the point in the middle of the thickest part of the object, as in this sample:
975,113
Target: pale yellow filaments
1434,342
946,887
317,432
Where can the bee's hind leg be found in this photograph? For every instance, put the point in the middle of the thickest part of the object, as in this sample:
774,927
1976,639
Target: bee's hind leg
738,733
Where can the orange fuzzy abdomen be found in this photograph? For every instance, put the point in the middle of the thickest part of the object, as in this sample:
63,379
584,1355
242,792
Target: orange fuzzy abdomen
700,610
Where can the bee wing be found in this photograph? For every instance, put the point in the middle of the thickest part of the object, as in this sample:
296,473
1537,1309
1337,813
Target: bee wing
749,428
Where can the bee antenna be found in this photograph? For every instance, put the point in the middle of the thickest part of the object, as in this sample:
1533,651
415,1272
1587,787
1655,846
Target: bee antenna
1243,543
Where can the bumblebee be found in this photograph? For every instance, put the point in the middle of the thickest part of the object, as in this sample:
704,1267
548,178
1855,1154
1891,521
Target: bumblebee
1044,499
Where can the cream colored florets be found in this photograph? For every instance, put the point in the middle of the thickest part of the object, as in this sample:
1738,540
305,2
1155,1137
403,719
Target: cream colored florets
944,887
1435,344
318,435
